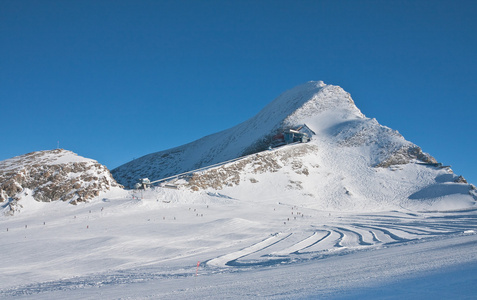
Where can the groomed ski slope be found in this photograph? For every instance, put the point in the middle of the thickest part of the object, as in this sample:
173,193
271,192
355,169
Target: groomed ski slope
143,245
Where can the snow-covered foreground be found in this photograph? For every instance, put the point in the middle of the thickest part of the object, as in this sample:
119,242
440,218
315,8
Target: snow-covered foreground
148,245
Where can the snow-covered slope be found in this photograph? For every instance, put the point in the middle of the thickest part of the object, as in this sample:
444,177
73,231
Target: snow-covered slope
50,176
352,162
174,244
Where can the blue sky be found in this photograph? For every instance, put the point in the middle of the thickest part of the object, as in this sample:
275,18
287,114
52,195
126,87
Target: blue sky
115,80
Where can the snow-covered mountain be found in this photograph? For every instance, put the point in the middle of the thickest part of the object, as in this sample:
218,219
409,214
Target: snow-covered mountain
50,176
352,162
291,109
272,224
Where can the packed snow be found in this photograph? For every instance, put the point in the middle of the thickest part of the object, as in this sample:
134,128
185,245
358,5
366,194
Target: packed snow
147,244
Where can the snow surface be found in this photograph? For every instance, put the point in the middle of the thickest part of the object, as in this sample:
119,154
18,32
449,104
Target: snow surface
143,245
315,175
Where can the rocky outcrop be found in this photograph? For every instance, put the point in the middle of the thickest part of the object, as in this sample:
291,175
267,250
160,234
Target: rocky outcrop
54,175
266,162
405,155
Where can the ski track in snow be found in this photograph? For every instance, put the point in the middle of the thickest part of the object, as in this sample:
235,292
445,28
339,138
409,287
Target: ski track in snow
142,236
352,234
328,240
228,259
227,237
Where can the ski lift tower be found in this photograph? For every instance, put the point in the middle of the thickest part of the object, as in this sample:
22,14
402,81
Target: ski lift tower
143,183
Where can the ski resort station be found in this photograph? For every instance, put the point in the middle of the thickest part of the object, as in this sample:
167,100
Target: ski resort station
301,134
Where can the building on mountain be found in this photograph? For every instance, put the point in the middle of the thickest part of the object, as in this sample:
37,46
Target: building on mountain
302,134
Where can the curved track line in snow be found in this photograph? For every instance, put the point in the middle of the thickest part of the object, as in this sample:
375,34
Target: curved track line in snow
224,260
311,240
385,236
402,233
326,243
382,237
351,239
361,236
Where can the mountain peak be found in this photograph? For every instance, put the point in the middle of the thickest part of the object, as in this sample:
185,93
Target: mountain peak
327,110
351,163
296,105
315,98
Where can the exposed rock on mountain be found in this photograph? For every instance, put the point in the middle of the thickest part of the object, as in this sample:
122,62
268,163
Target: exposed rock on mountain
51,176
245,169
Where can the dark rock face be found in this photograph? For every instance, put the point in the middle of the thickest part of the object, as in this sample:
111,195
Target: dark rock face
51,176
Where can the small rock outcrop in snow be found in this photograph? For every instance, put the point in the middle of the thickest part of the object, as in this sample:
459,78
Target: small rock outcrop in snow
51,176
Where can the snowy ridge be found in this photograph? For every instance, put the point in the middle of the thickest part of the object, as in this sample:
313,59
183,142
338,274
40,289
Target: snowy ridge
54,157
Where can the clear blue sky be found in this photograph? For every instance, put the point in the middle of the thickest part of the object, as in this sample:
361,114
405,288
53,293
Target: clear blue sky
115,80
